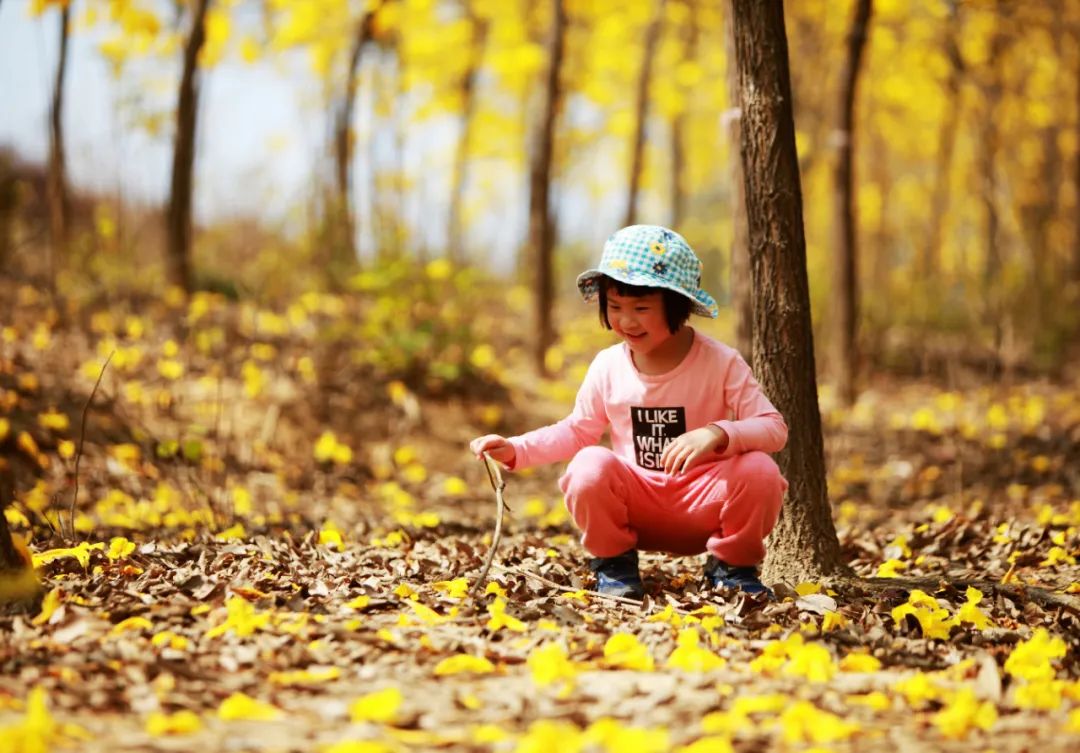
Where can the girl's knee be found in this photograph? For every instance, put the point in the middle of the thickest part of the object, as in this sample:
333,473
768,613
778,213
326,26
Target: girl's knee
590,467
759,471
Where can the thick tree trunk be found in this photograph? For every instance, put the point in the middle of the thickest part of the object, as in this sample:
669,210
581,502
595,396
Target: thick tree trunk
7,210
929,259
454,231
742,292
804,544
641,113
179,213
847,253
541,223
988,145
56,188
343,257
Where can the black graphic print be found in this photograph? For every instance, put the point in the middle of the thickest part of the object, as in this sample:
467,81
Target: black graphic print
654,429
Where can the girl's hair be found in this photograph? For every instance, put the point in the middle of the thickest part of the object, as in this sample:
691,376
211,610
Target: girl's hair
676,306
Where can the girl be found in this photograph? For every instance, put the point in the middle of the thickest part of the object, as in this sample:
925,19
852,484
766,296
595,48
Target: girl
688,469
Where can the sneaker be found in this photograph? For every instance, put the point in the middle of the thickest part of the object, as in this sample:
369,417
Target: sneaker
618,576
744,578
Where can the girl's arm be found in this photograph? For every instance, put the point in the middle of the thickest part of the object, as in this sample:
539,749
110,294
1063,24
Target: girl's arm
757,424
561,440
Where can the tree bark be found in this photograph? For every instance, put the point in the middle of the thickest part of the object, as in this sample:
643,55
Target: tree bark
637,149
847,252
343,257
742,292
179,213
541,223
929,259
803,545
56,188
1076,169
464,146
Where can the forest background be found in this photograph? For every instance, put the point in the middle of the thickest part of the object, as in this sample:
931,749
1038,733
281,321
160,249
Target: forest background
296,387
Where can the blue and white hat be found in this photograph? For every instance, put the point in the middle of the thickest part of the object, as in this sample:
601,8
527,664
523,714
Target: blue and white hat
650,256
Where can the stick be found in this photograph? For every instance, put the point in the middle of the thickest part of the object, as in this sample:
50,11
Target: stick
498,484
566,589
82,440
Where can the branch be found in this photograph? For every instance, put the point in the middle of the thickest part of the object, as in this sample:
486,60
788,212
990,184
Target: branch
82,441
498,484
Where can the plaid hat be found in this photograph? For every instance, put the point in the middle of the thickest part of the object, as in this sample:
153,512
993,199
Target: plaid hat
650,256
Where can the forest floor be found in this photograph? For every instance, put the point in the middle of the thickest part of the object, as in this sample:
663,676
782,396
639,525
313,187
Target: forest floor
274,541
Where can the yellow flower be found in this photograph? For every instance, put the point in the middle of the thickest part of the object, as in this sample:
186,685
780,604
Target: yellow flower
464,664
691,657
1031,659
970,612
241,707
963,713
625,651
803,722
657,248
382,706
119,548
181,723
549,664
500,619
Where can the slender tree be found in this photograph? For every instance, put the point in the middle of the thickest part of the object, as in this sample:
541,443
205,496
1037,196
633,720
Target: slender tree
343,257
742,292
179,212
1076,165
847,256
541,223
939,204
56,186
804,543
641,110
464,145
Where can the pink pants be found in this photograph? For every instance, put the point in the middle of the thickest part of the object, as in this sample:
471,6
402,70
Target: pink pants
726,507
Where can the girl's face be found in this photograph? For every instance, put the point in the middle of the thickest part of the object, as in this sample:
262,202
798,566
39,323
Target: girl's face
639,321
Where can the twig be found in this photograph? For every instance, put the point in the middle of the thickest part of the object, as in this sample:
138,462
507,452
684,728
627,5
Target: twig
567,589
82,440
498,484
1017,593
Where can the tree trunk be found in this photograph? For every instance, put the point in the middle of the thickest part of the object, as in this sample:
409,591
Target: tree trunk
678,129
742,292
464,145
929,259
541,223
343,257
1076,169
847,253
179,215
56,189
803,545
637,149
7,210
988,143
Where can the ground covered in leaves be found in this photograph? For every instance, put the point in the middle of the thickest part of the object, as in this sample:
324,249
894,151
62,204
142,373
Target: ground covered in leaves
262,533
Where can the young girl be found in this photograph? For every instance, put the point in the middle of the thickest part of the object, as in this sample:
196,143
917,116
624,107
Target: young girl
688,471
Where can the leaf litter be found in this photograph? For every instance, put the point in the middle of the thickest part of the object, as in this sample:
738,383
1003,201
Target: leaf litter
259,565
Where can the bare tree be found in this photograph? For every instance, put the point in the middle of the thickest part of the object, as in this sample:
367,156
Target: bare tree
939,203
464,145
541,223
179,212
56,180
847,256
803,544
637,149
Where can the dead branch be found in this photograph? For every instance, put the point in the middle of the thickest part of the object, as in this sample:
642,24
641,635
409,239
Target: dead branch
82,441
498,484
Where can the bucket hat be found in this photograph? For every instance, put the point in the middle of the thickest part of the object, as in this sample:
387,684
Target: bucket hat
650,256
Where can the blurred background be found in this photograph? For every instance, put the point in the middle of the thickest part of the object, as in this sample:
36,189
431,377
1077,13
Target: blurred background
264,149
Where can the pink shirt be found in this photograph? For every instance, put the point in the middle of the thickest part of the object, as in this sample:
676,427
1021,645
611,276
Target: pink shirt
712,384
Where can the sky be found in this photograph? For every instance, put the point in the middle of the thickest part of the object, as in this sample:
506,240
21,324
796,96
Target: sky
261,142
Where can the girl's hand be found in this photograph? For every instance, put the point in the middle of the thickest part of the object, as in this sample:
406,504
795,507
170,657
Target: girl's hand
686,451
495,446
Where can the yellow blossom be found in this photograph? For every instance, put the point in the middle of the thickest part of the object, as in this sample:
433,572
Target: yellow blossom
625,651
464,663
500,619
689,656
241,707
549,664
382,706
963,713
803,722
1030,660
181,723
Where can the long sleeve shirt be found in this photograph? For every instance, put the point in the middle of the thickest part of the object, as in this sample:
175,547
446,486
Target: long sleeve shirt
712,384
